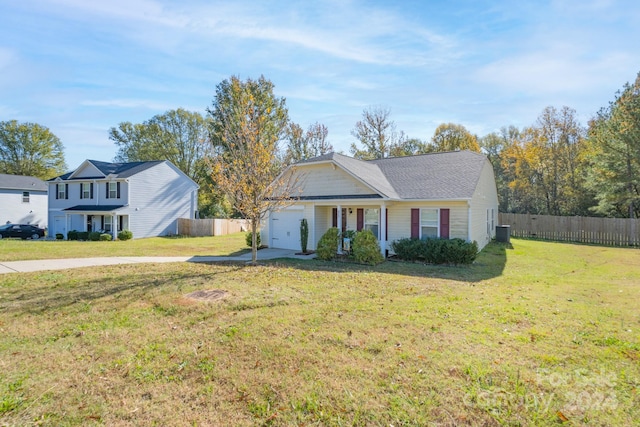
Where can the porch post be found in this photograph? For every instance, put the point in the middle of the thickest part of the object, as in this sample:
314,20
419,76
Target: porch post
85,218
383,229
339,215
114,226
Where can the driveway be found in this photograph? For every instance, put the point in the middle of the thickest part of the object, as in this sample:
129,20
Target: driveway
64,264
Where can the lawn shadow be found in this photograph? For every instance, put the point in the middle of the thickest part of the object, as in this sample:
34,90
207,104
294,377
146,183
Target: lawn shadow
49,296
489,264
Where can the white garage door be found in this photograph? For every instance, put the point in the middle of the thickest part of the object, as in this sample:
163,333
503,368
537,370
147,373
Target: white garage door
285,229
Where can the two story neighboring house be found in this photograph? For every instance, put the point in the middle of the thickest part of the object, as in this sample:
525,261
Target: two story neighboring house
146,198
23,200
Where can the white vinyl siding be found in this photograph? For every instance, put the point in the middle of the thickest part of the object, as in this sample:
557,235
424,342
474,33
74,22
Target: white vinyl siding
15,209
399,213
327,180
484,207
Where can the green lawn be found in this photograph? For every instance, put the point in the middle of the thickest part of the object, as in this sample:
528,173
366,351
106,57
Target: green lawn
526,336
15,249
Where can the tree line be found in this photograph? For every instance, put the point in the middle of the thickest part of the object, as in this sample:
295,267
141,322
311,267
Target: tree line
556,166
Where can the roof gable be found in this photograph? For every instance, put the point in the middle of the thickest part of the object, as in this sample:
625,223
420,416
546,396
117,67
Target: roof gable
435,176
99,170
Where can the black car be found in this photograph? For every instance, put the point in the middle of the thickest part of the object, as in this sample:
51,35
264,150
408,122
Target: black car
23,231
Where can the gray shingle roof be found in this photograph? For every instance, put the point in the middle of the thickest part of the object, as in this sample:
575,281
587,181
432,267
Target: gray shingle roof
436,176
19,182
119,170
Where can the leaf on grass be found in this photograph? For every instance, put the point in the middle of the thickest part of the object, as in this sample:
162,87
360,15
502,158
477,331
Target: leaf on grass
562,417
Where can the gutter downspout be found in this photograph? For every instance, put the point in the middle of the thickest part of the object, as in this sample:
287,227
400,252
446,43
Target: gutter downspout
469,234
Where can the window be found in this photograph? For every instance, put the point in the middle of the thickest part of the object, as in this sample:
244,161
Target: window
85,190
61,191
25,197
371,221
428,223
113,190
107,223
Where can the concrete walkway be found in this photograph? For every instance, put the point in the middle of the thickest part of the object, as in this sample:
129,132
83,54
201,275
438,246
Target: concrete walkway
64,264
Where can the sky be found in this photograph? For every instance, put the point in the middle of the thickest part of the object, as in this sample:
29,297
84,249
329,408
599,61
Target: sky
80,67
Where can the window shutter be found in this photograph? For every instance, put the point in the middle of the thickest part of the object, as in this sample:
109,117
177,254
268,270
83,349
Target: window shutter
66,191
415,223
81,184
91,190
101,222
118,189
57,191
360,219
386,224
107,186
444,223
334,217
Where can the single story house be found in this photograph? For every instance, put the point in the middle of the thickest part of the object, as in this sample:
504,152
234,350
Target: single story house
146,198
23,200
445,195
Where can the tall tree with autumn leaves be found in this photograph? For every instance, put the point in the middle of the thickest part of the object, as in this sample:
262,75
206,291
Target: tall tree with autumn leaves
247,124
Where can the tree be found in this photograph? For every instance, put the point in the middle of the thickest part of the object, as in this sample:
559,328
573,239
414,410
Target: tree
317,137
614,136
453,137
247,124
30,149
377,133
302,146
495,146
179,136
546,165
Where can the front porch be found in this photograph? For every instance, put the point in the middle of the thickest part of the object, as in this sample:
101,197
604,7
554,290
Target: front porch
103,219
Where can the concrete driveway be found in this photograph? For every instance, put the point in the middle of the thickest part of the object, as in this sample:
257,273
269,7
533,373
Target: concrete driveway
64,264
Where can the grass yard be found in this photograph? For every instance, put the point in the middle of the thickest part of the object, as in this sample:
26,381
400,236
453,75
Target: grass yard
534,335
15,249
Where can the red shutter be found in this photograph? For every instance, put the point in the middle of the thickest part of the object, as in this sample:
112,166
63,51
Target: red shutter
444,223
360,220
415,223
334,217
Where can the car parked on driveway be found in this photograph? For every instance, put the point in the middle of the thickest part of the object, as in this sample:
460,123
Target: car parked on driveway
22,231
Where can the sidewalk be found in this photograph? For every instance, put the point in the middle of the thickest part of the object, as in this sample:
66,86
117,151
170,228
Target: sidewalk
64,264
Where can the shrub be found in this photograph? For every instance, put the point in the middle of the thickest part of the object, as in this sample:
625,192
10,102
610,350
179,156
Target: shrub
436,251
72,235
105,237
248,239
366,248
328,244
94,236
59,236
125,235
83,235
304,235
408,249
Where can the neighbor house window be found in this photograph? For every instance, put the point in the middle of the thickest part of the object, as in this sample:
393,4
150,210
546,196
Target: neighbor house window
428,223
61,191
372,220
107,224
25,197
113,190
85,190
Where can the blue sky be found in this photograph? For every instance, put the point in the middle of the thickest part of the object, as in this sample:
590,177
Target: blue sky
80,67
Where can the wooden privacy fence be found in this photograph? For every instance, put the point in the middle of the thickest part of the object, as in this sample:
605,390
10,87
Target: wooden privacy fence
211,227
601,231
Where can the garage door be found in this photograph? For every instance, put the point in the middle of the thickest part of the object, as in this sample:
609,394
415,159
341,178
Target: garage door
285,229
